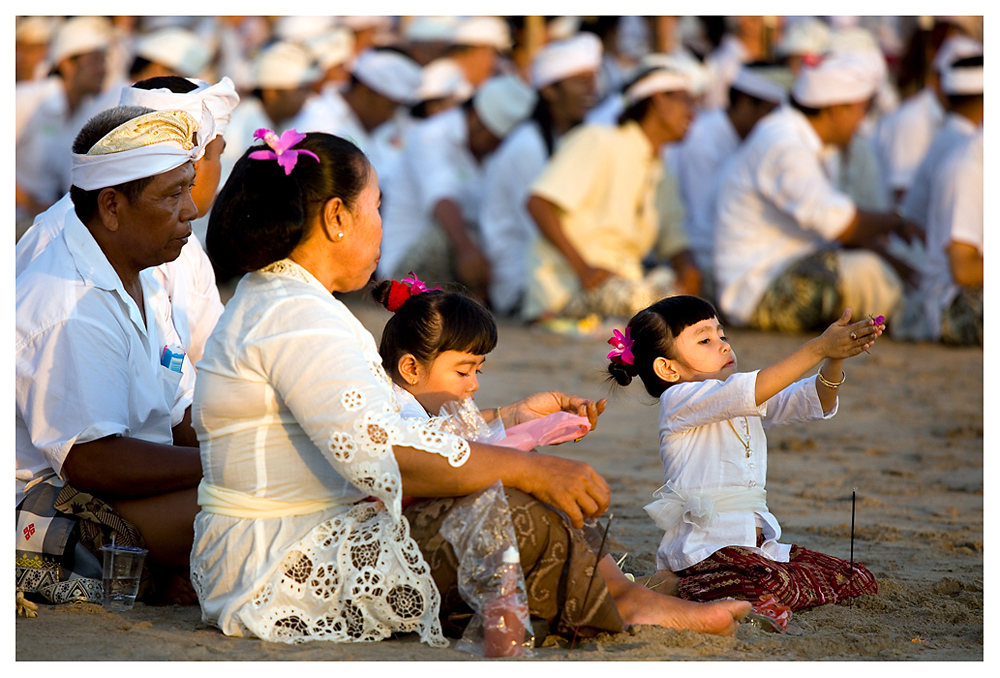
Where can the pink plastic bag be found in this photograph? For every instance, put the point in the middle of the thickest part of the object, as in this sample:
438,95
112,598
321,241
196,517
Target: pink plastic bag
551,429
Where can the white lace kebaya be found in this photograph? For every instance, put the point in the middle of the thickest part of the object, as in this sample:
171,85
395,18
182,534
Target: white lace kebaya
297,421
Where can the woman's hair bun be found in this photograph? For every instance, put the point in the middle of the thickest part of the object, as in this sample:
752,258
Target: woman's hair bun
621,372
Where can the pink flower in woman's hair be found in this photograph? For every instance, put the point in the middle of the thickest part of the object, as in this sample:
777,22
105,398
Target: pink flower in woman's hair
622,346
282,150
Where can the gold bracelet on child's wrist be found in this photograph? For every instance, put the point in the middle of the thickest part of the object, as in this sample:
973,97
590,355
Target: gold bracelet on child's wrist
832,384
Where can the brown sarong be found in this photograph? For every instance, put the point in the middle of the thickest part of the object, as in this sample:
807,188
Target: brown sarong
808,579
962,321
806,296
558,562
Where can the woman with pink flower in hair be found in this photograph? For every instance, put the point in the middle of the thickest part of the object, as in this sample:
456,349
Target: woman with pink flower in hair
720,540
305,451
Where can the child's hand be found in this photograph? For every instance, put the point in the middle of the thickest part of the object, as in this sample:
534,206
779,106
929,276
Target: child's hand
844,339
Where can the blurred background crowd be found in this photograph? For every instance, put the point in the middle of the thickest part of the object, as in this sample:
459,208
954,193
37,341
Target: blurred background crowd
491,138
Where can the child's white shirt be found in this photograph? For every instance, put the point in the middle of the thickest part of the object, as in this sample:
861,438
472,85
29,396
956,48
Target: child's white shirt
702,454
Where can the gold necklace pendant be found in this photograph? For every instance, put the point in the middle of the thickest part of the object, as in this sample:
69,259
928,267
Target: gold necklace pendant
745,443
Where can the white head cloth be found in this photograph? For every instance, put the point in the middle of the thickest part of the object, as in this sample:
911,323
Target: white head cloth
35,30
805,36
302,28
563,27
565,58
219,100
176,48
954,48
841,78
430,28
145,146
656,81
284,65
443,78
756,82
502,102
682,61
332,48
79,35
961,81
490,31
389,73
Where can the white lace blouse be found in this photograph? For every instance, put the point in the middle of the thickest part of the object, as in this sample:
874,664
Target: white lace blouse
296,420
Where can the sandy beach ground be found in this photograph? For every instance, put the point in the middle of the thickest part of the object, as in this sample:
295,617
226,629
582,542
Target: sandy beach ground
908,437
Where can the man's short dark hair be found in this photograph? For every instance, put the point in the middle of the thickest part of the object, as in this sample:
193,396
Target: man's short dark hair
85,202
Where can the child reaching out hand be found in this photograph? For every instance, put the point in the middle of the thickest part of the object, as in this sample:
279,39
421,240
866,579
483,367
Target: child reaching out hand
719,536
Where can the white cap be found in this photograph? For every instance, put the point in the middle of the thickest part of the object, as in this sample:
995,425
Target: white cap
502,102
283,65
681,61
660,79
35,30
389,73
565,58
333,47
219,99
443,78
361,23
176,48
806,36
954,48
563,27
841,78
482,30
430,28
762,83
962,81
302,28
79,35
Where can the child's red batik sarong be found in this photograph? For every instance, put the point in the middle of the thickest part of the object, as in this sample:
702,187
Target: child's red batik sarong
807,580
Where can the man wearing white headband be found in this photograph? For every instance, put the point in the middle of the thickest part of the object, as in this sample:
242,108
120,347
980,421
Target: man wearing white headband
371,111
476,45
103,384
952,285
430,223
594,205
714,137
77,56
189,280
789,246
564,74
904,136
962,87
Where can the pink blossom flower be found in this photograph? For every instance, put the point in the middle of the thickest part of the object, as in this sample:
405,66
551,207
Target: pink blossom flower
282,150
622,346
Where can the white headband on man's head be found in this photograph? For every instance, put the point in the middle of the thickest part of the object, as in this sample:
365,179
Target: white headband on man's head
754,83
144,146
220,99
659,80
962,81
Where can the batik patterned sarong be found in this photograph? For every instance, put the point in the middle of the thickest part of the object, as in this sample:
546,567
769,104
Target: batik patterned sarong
962,321
808,579
805,297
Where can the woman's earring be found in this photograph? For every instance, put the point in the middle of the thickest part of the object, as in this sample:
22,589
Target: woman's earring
340,235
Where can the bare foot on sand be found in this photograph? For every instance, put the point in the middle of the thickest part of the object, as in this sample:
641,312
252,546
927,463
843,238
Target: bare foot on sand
640,605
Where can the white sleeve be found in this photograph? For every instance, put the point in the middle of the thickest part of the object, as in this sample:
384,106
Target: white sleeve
697,403
796,404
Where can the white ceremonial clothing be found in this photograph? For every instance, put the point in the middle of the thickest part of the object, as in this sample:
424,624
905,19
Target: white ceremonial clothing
710,141
189,280
904,136
436,165
955,214
43,152
507,228
87,365
701,453
603,181
953,133
775,205
28,96
293,409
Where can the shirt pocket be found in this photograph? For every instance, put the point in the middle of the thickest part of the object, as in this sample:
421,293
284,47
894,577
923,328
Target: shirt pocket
169,382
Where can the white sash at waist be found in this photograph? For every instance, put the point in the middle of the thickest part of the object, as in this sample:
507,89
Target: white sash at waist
702,509
215,499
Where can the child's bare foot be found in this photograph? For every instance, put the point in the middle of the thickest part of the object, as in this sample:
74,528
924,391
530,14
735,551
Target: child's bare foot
661,581
640,605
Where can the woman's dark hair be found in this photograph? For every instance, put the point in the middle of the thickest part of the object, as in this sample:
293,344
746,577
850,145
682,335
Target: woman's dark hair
261,213
653,331
430,323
